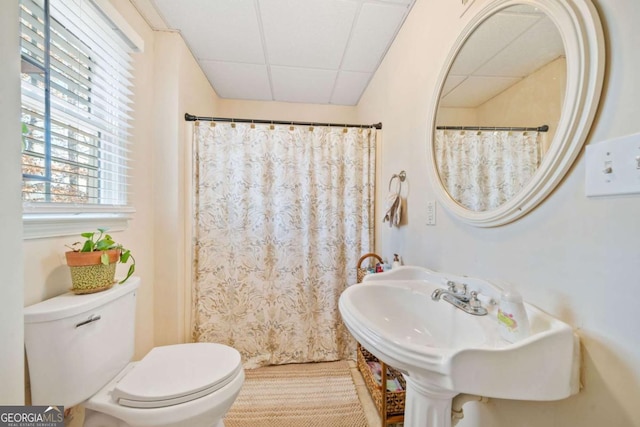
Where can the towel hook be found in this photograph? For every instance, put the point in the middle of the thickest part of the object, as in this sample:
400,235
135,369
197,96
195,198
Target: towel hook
400,177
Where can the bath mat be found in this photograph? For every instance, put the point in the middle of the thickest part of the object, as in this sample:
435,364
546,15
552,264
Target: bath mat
298,395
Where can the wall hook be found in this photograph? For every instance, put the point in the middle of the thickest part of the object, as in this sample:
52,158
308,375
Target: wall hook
400,177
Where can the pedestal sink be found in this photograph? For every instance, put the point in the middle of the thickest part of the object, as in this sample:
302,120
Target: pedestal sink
444,351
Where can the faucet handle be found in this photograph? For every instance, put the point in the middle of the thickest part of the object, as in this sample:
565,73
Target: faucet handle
474,302
475,305
486,299
458,289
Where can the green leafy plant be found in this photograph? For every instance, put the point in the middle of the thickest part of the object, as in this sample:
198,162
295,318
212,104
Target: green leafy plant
25,133
101,241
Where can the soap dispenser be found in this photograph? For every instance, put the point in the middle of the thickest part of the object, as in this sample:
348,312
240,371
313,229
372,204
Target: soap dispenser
396,262
512,316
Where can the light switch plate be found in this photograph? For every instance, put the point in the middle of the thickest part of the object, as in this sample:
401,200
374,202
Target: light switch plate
613,167
431,212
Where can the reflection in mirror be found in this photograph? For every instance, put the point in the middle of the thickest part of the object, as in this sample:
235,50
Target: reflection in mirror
500,107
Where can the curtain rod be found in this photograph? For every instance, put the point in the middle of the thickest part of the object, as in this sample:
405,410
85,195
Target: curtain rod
191,118
543,128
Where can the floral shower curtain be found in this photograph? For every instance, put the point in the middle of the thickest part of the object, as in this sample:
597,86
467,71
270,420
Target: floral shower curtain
482,170
282,214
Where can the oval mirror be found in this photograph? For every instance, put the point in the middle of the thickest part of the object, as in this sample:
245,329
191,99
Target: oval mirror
513,106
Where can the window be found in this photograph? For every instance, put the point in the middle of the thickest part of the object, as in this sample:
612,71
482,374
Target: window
76,107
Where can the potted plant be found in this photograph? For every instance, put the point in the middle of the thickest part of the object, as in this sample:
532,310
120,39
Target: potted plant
93,262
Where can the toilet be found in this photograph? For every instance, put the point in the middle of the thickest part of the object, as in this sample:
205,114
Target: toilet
79,350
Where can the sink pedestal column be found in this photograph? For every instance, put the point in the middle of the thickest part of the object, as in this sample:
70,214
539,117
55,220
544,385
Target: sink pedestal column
425,407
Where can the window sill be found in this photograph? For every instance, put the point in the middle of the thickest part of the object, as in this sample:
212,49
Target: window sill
43,222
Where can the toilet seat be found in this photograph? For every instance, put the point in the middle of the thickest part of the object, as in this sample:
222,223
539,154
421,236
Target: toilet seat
176,374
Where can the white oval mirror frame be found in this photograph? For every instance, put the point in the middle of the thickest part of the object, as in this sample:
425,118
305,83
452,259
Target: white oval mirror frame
581,31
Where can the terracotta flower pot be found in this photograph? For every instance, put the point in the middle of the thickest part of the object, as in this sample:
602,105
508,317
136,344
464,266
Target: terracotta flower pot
88,274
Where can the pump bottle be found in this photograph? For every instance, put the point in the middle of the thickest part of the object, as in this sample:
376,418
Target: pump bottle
512,316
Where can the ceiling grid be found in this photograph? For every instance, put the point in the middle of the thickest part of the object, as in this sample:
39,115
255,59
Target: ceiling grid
309,51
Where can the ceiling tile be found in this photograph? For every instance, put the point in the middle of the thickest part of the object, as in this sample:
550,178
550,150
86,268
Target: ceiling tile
451,83
488,40
374,31
306,33
287,50
474,91
540,45
238,81
349,87
221,30
302,85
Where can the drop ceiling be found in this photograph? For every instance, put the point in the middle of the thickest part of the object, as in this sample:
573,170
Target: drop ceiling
309,51
505,49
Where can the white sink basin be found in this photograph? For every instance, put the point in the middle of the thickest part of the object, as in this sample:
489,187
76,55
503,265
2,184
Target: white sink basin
446,351
402,313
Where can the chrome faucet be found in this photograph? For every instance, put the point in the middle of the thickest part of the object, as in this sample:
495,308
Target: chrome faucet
467,302
458,292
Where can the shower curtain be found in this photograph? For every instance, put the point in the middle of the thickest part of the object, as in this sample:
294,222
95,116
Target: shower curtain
482,170
282,214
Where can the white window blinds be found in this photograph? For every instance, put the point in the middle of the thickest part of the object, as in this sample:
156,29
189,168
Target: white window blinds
76,107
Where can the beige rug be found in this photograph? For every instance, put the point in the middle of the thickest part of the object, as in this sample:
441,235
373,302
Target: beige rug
301,395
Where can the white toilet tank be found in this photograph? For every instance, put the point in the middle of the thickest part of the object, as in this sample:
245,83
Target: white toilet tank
75,344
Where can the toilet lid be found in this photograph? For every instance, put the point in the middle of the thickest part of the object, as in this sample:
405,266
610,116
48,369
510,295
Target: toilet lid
175,374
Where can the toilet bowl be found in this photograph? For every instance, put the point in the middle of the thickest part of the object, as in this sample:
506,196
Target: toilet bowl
190,385
79,349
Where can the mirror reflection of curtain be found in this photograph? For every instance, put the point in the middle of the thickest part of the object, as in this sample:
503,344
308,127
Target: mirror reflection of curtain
281,217
481,170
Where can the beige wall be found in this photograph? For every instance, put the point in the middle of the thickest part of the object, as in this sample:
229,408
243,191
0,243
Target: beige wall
180,87
575,257
452,116
545,89
11,288
233,108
